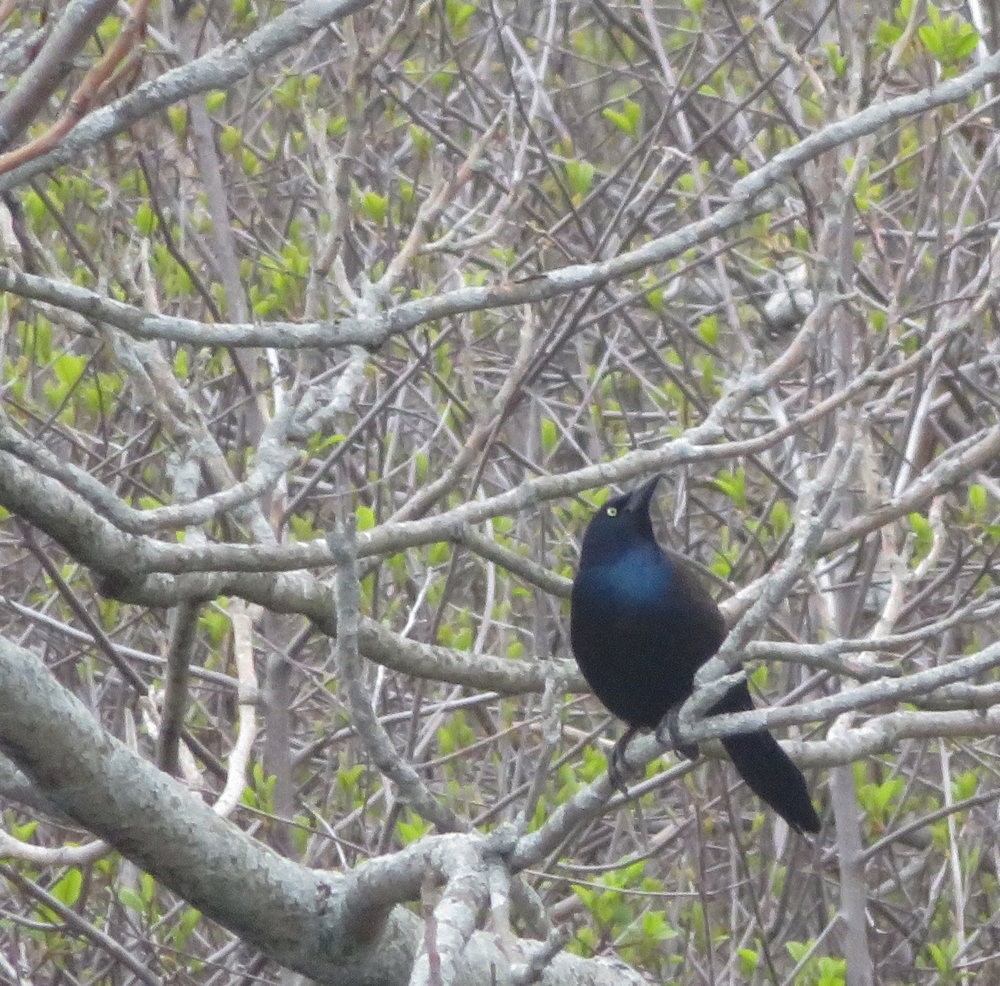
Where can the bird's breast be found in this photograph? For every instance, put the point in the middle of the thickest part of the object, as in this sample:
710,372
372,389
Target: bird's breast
618,598
624,636
632,584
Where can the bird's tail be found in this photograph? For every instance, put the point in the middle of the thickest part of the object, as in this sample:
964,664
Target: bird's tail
766,768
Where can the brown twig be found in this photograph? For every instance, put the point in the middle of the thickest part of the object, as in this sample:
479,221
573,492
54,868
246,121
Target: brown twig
87,93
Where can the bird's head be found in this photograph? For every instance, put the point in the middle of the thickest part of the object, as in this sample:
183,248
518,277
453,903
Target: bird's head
621,525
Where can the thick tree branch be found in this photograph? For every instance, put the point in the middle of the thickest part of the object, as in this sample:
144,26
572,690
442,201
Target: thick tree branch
322,924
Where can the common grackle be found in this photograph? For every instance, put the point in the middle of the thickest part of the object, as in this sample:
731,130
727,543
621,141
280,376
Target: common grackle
641,626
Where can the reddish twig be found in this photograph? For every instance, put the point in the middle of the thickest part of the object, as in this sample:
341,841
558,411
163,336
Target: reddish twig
94,84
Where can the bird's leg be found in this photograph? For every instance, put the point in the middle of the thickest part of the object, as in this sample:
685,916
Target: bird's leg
669,725
618,766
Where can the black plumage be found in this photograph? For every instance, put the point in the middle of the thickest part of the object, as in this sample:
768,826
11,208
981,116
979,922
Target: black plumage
642,624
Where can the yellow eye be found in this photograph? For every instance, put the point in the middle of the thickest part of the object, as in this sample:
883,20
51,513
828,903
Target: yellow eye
612,511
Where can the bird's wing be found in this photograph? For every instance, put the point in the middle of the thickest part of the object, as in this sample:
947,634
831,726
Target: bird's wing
699,606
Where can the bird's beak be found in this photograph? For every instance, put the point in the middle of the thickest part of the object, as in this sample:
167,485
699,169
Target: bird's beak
640,498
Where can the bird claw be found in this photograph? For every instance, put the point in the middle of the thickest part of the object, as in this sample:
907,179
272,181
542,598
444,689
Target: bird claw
618,766
671,726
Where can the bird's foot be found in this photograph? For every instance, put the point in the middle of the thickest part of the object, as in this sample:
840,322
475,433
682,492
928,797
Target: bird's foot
669,725
618,766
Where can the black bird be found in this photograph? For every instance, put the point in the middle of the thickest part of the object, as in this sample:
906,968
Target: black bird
641,626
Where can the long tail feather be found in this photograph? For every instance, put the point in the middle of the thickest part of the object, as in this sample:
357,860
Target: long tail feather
766,768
